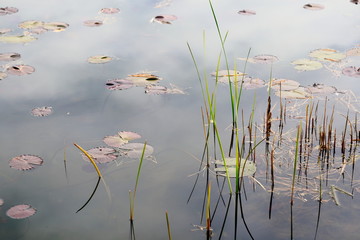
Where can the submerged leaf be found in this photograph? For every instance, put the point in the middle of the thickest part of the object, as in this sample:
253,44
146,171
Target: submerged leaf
134,150
327,55
250,167
93,23
99,59
306,64
42,111
265,58
9,56
284,84
109,10
17,38
20,211
119,84
314,6
20,70
25,162
101,154
351,71
164,19
8,10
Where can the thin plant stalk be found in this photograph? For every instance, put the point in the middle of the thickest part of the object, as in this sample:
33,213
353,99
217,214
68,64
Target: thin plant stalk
168,225
295,163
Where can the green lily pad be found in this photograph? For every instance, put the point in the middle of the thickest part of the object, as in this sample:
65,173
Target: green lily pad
17,38
250,167
306,64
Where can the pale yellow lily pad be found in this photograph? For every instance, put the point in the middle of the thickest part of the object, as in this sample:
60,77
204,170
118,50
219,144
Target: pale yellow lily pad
17,38
299,93
326,54
99,59
250,167
284,84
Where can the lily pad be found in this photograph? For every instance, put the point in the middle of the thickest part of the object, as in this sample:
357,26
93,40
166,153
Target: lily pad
20,211
164,19
306,64
119,84
314,6
247,12
8,10
55,26
318,88
42,111
134,150
20,70
93,23
227,73
99,59
353,52
284,84
9,56
109,10
4,30
351,71
265,58
252,83
299,93
158,90
327,55
25,162
101,154
120,139
31,24
17,38
250,167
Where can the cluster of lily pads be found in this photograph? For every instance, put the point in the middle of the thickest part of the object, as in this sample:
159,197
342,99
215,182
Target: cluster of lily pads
119,146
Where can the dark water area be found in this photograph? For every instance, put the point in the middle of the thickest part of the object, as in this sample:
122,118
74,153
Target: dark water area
169,118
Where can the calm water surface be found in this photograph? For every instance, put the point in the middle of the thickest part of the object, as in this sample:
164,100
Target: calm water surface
85,112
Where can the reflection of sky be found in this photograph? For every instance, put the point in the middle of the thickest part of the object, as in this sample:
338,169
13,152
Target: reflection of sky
85,112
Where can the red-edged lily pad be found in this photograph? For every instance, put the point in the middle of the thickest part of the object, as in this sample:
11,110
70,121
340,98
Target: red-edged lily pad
42,111
109,10
25,162
265,58
164,19
9,56
351,71
20,211
120,139
20,70
314,6
102,154
8,10
319,88
93,23
247,12
119,84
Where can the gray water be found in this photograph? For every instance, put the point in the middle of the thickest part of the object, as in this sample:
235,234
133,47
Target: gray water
85,112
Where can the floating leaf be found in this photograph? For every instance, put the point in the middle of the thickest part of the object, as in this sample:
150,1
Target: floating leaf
17,38
227,73
351,71
99,59
20,70
164,19
20,211
119,84
101,154
247,12
25,162
158,90
353,52
250,167
143,81
284,84
9,56
8,10
318,88
42,111
31,24
327,55
314,6
120,139
109,10
306,64
55,26
134,150
93,23
265,58
4,30
3,75
299,93
252,83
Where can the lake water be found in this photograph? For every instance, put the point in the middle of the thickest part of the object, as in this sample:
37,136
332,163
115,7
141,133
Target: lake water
85,111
